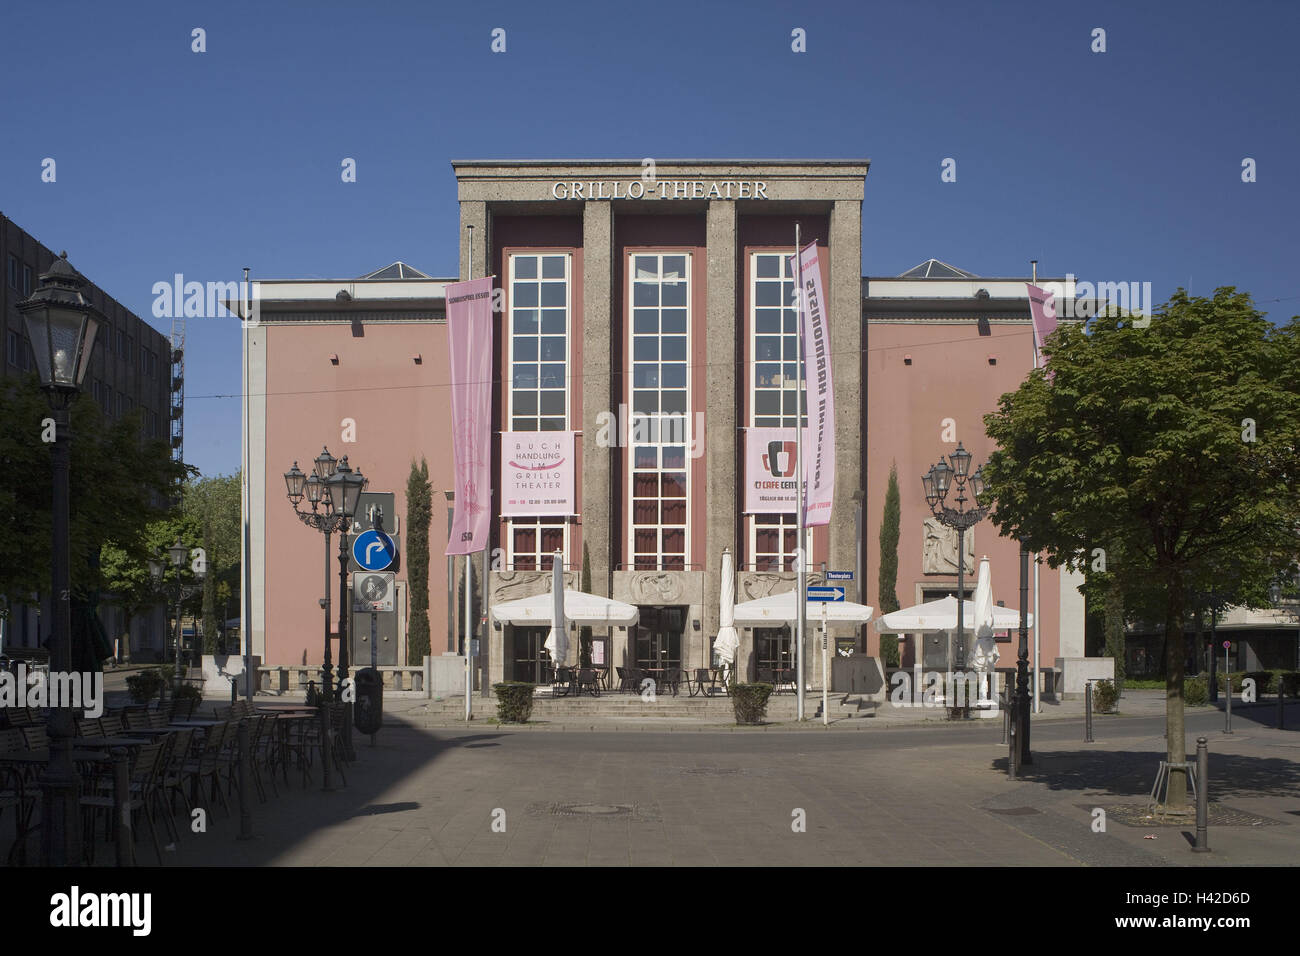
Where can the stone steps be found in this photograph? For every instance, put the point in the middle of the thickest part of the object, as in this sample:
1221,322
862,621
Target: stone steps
627,706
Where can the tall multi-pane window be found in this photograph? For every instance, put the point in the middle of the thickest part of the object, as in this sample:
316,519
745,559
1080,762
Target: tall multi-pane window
774,401
659,432
540,303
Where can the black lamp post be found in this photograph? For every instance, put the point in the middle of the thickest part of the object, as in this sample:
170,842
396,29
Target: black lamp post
61,325
175,588
938,482
344,488
324,517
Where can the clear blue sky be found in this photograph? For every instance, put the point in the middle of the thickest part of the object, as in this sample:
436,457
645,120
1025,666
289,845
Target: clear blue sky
1116,166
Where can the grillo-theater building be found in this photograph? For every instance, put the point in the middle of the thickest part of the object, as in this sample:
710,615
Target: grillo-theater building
633,297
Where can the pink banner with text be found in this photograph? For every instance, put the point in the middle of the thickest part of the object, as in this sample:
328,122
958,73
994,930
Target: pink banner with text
537,474
819,451
469,338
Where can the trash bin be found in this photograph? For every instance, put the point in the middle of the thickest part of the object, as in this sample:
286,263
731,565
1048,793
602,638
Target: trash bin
368,711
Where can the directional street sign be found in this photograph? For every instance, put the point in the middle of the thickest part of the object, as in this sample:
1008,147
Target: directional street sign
839,575
373,550
825,594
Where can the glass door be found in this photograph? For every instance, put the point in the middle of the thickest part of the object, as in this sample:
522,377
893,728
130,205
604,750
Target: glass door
659,637
528,658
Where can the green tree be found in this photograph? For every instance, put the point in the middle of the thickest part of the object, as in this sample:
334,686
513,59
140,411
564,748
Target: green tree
419,512
1175,445
119,482
887,576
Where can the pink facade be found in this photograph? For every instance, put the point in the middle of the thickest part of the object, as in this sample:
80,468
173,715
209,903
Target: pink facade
917,413
399,408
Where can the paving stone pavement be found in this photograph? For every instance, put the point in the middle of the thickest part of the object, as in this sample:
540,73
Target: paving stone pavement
923,796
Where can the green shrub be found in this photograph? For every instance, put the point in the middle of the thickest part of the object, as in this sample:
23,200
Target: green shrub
514,701
187,692
145,685
889,650
1263,681
1290,683
1196,692
749,701
1104,696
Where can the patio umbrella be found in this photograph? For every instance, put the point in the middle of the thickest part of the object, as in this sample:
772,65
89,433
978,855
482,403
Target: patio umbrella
557,641
986,647
727,642
941,615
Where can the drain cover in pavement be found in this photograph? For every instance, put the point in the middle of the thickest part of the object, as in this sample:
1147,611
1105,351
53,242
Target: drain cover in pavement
598,811
713,771
1219,816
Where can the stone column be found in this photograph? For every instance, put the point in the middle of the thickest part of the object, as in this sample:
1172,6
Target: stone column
719,406
598,495
845,293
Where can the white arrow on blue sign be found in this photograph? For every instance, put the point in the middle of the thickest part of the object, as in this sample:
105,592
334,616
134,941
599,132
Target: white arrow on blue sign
373,550
825,594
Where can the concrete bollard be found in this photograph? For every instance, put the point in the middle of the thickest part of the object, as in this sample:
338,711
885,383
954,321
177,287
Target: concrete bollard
1202,796
1281,703
1227,713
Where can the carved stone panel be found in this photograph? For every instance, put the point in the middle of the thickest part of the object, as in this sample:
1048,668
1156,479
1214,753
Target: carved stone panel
939,552
514,585
753,585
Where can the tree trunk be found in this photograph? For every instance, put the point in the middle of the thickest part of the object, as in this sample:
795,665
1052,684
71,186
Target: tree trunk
1114,629
1176,743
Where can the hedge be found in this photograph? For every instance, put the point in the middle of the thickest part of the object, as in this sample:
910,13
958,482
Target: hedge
514,701
749,701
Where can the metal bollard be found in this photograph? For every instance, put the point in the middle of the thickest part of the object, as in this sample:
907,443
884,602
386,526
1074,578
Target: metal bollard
326,736
1202,796
122,808
1227,713
1087,712
234,690
245,798
1281,705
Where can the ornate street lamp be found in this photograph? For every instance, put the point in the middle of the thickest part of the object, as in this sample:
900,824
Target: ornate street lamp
938,482
176,588
61,326
325,520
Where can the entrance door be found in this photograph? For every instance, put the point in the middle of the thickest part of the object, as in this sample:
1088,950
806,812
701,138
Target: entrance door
774,647
529,660
659,637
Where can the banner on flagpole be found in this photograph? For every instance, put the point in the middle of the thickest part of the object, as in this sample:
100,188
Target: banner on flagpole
819,452
1042,308
469,338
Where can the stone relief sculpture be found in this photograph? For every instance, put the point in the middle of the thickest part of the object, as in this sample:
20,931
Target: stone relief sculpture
939,554
759,584
655,587
513,585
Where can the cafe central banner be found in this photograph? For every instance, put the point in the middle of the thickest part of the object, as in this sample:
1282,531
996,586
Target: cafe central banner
769,470
537,475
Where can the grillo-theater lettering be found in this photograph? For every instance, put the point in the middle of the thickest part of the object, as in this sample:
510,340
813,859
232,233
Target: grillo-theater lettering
661,189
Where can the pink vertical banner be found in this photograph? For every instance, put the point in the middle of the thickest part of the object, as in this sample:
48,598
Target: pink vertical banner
819,452
1042,308
469,337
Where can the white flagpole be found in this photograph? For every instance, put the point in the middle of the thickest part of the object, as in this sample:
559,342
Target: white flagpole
801,560
469,572
1037,706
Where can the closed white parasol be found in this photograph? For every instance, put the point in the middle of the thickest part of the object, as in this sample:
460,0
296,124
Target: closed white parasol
728,642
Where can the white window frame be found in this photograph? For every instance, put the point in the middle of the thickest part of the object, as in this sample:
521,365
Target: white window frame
538,254
784,256
629,453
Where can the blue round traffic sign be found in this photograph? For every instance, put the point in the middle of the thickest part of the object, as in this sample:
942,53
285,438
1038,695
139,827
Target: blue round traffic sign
373,550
